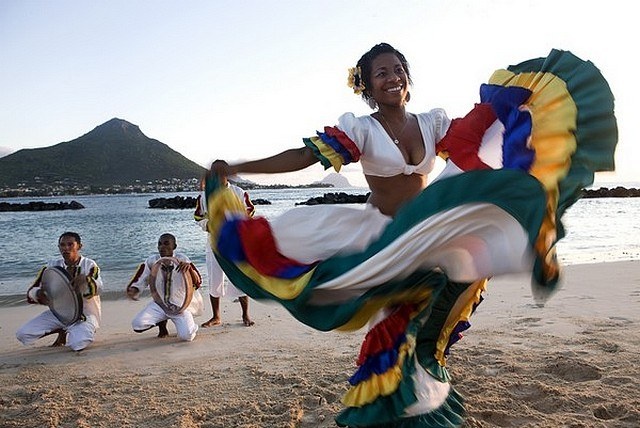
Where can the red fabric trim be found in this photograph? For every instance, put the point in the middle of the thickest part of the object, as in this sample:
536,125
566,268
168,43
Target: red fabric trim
251,209
385,334
260,247
464,137
136,276
344,139
195,276
199,212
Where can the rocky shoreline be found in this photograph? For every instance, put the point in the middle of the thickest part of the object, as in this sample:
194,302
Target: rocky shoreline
181,202
41,206
336,198
616,192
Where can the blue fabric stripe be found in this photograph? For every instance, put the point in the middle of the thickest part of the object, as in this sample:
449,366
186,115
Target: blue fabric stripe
337,147
229,245
518,124
375,364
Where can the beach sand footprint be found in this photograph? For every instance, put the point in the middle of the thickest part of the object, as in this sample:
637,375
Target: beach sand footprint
523,324
500,418
572,370
609,411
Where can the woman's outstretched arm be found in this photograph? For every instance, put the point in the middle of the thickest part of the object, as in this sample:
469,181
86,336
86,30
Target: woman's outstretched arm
287,161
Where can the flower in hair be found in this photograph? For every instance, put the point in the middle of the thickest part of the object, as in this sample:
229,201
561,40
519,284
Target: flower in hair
355,81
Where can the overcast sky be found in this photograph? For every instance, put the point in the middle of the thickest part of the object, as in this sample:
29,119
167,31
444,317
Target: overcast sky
245,79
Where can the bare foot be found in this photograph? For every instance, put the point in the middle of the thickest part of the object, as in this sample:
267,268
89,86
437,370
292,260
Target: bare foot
247,322
211,323
162,329
61,340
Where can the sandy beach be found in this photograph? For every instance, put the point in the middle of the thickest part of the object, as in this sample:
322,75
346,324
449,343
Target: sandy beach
572,363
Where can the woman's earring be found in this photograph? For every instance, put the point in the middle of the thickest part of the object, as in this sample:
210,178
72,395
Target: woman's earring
372,103
407,98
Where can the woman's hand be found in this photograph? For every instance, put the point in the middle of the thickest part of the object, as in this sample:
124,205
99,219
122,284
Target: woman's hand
287,161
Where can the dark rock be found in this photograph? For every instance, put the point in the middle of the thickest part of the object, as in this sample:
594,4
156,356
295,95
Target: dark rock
182,203
616,192
41,206
177,203
260,201
336,198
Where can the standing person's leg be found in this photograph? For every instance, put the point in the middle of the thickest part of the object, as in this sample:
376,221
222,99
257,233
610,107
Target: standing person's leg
216,287
244,304
234,293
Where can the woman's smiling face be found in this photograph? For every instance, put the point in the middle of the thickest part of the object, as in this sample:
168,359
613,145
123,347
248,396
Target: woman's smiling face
389,82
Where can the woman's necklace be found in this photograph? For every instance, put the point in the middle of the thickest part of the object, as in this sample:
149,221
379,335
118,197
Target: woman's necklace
396,140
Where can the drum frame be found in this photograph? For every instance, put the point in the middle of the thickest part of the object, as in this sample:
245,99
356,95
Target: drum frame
169,308
77,298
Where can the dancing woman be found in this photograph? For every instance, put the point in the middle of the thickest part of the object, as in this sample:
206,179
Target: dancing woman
413,263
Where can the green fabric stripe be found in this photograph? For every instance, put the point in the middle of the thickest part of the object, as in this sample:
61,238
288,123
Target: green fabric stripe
596,133
427,337
326,163
449,415
514,191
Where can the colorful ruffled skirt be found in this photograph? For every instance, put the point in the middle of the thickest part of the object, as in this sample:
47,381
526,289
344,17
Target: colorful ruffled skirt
516,162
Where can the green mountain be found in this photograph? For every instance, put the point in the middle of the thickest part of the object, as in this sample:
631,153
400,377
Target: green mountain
116,152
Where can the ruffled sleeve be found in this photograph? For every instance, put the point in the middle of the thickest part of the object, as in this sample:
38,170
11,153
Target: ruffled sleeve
441,123
336,145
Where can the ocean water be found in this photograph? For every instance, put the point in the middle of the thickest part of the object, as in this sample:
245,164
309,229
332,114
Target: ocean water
120,231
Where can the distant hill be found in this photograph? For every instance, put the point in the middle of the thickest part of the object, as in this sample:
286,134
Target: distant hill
5,151
336,180
116,152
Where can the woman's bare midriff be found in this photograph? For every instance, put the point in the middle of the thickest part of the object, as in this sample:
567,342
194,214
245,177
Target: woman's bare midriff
388,194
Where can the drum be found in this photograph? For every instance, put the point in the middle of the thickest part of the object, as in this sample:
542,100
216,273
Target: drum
171,289
64,301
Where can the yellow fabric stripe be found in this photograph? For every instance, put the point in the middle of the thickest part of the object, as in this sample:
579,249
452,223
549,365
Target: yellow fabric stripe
461,311
282,288
220,203
38,279
327,151
547,237
379,384
91,281
373,305
224,201
136,275
554,116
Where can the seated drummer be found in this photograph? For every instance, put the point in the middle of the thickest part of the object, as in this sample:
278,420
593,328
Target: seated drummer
153,315
86,280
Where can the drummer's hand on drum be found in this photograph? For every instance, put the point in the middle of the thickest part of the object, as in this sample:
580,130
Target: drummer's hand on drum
42,298
133,293
183,266
79,283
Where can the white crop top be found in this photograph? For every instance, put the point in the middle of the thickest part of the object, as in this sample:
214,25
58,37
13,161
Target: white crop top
380,156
